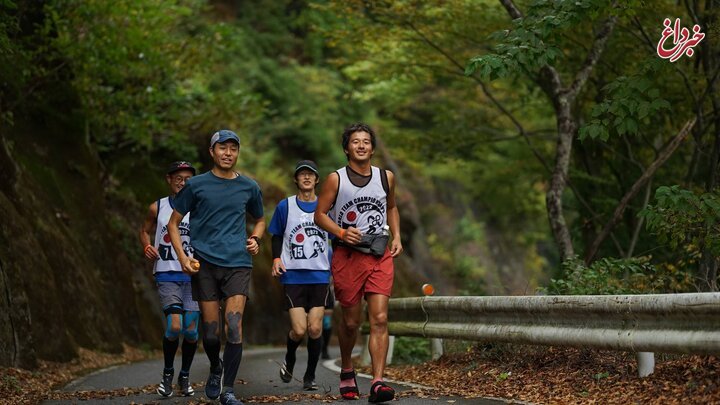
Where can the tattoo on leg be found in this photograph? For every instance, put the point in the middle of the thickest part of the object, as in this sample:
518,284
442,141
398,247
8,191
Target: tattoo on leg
212,331
234,323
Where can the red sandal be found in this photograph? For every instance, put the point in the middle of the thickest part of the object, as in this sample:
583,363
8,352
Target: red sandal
381,392
349,392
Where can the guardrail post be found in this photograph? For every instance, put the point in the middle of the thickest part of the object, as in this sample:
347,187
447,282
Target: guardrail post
646,363
365,357
436,348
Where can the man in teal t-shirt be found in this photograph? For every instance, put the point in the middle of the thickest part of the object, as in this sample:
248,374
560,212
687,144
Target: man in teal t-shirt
218,202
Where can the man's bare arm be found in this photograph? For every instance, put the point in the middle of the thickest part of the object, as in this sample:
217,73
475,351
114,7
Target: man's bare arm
393,217
149,223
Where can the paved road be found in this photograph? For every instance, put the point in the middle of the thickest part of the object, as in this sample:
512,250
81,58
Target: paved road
257,379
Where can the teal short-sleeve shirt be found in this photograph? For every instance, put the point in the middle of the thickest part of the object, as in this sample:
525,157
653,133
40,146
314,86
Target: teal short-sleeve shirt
218,210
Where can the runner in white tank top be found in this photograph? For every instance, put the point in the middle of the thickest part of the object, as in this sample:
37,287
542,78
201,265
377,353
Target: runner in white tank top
360,200
181,311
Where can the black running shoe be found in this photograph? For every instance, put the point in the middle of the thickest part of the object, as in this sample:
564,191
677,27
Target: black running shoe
228,398
166,387
285,374
309,385
212,386
185,387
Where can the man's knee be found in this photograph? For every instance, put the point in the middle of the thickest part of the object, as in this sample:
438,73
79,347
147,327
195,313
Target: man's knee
173,322
234,327
190,325
314,331
299,330
211,333
352,325
378,320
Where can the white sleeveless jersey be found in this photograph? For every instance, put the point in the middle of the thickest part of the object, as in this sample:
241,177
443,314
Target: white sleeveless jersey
168,261
304,243
364,208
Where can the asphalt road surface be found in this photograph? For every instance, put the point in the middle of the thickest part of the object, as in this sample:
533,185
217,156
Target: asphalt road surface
257,381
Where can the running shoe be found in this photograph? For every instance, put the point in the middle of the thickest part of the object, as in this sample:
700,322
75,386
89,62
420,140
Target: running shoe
185,387
212,386
285,374
228,398
309,385
166,387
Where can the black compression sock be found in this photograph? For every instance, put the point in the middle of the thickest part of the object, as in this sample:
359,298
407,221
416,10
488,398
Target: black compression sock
290,354
188,353
212,349
169,350
313,346
231,362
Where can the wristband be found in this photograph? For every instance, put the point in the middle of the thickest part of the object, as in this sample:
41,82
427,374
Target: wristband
277,259
257,239
342,234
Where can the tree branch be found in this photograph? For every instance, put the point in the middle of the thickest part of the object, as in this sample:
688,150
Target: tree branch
597,49
511,9
485,90
620,209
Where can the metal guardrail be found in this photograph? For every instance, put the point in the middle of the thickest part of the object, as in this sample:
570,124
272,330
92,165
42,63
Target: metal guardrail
669,323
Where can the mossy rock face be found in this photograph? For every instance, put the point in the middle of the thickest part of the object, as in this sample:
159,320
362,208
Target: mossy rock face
66,279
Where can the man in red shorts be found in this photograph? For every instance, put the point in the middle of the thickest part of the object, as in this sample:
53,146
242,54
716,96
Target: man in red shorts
357,204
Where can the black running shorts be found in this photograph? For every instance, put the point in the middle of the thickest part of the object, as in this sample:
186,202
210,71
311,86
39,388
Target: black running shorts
215,283
306,296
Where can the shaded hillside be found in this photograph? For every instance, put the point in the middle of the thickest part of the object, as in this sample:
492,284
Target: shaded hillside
65,280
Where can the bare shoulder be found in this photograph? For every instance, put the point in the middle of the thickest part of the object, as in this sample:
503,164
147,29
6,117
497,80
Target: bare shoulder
334,176
390,177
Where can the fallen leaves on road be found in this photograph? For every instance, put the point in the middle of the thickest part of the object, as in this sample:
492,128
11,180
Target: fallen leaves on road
551,375
524,373
20,386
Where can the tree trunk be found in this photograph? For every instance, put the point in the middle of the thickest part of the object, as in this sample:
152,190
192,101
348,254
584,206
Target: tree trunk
553,198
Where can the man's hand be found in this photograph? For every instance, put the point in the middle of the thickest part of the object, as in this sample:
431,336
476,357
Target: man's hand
396,247
252,246
278,268
351,236
189,265
151,253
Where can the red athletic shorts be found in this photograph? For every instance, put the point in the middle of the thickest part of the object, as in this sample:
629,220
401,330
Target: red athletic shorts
356,274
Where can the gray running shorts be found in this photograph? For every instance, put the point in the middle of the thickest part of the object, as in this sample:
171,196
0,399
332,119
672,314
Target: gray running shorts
177,293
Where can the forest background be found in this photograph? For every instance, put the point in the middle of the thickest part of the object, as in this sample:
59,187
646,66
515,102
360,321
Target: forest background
541,147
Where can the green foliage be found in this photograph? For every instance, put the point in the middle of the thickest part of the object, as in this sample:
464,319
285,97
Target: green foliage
534,41
686,221
25,59
630,104
411,350
610,276
146,71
